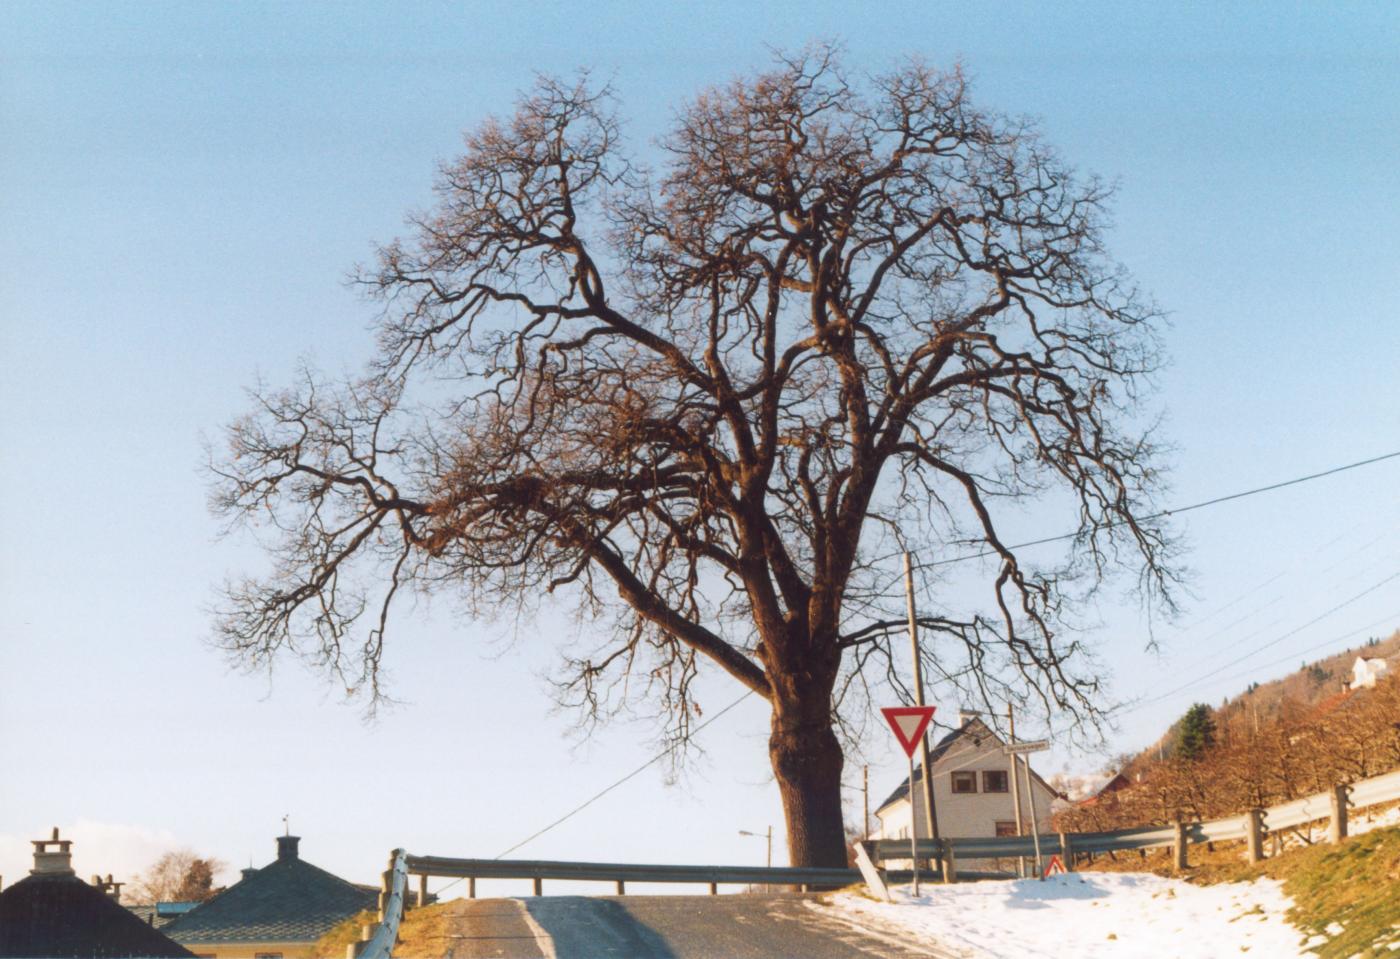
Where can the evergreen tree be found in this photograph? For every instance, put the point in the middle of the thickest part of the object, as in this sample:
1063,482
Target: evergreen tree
1195,732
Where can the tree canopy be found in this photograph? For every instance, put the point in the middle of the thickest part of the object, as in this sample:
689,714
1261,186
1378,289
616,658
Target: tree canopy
703,399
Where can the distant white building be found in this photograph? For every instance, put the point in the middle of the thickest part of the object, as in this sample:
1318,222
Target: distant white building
1365,673
971,790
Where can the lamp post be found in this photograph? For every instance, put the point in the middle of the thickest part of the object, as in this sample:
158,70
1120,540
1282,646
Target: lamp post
758,835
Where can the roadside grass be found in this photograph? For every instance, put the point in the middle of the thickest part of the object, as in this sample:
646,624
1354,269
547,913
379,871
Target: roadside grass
423,932
1346,898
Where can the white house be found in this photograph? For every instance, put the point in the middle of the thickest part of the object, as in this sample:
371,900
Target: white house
971,790
1364,673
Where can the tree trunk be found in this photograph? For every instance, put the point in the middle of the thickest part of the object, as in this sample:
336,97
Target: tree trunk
807,763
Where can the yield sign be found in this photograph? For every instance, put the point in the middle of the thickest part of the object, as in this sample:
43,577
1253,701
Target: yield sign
908,723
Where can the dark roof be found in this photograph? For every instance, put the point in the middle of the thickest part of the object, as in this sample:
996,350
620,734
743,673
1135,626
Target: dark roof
975,726
60,916
288,900
159,914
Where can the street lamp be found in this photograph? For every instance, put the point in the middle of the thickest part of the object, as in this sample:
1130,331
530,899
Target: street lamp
758,835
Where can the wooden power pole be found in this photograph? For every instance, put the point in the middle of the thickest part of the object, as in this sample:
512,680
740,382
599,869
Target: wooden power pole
1015,787
865,800
930,812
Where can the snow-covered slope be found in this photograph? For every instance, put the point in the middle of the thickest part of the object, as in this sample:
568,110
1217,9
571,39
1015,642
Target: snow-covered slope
1092,916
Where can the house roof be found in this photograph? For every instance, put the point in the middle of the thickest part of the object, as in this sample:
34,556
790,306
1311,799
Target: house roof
974,728
288,900
59,916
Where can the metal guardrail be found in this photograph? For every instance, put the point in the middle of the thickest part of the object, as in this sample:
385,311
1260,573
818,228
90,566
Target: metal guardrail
382,938
1368,792
541,869
391,904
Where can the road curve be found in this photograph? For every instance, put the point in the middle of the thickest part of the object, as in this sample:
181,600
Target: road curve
784,926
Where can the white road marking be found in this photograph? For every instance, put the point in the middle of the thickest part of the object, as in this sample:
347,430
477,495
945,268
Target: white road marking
542,939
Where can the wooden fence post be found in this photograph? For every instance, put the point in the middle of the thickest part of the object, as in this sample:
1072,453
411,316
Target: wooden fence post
386,885
1337,828
1179,846
1254,835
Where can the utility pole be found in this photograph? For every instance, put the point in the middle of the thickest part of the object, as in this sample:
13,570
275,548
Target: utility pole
1035,826
1027,749
930,812
1015,788
865,800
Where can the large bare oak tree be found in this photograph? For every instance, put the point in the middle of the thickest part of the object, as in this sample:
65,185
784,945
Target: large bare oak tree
838,318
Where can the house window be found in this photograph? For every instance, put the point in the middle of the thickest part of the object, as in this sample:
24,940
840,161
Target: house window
965,782
1005,828
267,955
994,780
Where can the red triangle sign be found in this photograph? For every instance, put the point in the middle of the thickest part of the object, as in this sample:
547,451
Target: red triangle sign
908,723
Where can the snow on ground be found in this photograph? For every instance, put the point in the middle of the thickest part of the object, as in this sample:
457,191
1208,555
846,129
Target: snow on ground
1091,916
1359,822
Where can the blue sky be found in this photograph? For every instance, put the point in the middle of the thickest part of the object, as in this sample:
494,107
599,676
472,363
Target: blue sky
183,188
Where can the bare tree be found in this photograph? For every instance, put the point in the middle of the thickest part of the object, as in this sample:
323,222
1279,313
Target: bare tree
840,318
179,876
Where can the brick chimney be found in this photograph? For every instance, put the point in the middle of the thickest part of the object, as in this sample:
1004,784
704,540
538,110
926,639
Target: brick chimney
52,862
287,847
112,890
246,872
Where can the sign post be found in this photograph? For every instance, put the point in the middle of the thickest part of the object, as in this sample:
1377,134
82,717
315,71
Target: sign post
909,724
1019,750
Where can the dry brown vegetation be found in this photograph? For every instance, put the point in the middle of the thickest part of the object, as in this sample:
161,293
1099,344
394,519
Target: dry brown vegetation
423,933
1300,749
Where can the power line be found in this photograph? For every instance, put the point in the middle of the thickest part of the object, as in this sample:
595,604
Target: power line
1393,617
633,774
603,792
1173,511
970,556
1273,642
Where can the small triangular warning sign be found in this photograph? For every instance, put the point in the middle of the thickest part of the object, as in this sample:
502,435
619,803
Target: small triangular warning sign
908,724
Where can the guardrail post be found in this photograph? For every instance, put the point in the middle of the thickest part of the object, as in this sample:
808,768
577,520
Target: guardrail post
422,891
539,886
714,889
1337,828
949,863
471,887
1066,853
1254,835
1179,846
386,884
621,888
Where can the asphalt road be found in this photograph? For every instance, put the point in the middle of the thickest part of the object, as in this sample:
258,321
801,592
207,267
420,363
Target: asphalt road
665,927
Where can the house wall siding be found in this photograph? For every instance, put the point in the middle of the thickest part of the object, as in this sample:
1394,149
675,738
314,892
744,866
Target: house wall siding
966,815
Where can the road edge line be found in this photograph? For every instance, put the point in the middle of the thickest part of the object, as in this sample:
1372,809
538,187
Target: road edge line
542,939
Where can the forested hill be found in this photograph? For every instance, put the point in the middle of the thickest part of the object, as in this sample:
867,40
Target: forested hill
1274,742
1290,698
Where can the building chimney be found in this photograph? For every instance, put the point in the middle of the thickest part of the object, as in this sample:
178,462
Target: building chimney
48,862
966,716
113,890
247,872
287,847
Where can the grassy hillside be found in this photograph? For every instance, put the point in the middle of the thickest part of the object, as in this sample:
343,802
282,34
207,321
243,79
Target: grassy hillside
1354,885
422,933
